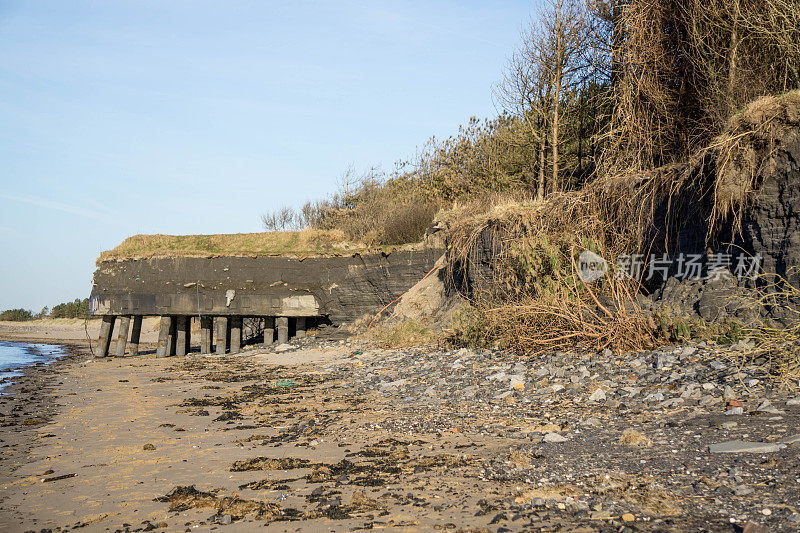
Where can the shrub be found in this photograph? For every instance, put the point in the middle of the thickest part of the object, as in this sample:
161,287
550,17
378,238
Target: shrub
16,315
75,309
407,223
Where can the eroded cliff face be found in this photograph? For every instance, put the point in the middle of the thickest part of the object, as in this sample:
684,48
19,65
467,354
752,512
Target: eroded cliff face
764,228
341,288
771,222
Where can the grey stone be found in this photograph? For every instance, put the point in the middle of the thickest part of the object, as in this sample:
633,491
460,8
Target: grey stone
738,446
555,437
735,411
654,397
728,393
743,490
707,399
598,396
516,381
794,439
793,401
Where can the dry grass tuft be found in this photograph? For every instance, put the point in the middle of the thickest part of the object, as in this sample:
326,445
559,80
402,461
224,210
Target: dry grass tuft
744,150
631,437
239,244
400,335
530,297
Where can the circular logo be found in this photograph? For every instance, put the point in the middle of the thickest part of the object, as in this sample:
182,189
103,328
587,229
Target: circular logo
591,266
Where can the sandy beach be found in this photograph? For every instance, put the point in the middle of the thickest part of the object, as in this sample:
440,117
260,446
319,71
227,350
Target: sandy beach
333,435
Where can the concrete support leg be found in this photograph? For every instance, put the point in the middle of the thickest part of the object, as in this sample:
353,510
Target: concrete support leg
106,328
122,335
283,329
221,342
269,330
136,331
163,336
173,333
236,334
188,341
300,327
206,328
181,331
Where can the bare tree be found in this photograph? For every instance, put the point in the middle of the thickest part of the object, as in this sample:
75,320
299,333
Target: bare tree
282,219
526,91
544,73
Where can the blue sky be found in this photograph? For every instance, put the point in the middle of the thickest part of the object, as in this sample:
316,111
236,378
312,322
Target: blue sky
126,117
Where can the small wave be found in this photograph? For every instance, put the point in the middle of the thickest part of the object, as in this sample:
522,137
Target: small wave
15,356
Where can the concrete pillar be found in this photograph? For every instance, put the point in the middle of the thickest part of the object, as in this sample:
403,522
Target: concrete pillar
106,328
206,335
163,336
181,330
136,331
300,327
283,329
269,330
221,342
188,341
173,332
236,334
122,335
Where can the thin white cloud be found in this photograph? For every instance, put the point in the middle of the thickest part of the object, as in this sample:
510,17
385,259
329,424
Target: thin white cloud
57,206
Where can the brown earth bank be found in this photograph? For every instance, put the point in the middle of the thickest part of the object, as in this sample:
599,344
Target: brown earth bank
332,435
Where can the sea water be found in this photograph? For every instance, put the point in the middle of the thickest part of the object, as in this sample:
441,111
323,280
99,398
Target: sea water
14,356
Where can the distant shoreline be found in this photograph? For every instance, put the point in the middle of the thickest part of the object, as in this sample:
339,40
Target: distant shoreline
66,330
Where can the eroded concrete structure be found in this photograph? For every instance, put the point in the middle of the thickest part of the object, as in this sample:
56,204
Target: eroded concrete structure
288,294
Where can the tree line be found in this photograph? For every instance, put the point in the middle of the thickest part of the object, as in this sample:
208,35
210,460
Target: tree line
75,309
595,88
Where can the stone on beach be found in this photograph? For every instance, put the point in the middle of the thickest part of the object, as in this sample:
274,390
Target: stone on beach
738,446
